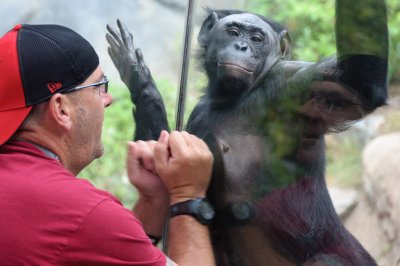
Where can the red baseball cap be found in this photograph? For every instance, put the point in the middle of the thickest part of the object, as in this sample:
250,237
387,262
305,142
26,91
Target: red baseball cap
37,61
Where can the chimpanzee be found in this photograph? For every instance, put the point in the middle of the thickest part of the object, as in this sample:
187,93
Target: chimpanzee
265,117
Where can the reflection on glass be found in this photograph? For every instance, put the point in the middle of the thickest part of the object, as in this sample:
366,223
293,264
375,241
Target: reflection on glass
265,118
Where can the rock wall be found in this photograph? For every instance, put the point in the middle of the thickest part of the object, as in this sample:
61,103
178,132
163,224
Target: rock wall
376,219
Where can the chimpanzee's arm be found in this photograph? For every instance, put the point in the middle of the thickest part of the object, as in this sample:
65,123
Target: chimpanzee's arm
149,114
362,48
198,122
354,83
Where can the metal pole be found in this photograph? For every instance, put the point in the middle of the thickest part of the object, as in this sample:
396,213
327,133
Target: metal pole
185,67
182,92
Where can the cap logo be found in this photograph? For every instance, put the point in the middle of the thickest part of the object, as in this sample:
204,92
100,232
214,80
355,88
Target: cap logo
53,86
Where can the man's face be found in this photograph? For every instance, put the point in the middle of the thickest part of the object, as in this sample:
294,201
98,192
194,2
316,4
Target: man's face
89,117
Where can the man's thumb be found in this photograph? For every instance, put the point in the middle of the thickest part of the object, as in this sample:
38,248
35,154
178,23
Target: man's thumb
161,150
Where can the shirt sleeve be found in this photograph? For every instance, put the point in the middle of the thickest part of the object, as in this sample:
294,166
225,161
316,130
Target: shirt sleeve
111,235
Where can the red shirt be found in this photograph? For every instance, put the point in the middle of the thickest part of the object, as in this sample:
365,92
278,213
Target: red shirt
50,217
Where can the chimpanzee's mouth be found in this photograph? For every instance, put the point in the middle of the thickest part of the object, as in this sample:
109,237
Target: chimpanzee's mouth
234,67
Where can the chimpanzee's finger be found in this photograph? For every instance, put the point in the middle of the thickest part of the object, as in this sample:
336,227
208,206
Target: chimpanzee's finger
113,57
115,34
142,64
113,44
139,56
127,37
114,50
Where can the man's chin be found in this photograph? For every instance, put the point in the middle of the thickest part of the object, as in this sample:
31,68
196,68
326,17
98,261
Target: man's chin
99,152
309,150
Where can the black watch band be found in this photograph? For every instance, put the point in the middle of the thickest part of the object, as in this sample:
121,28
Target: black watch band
199,208
154,239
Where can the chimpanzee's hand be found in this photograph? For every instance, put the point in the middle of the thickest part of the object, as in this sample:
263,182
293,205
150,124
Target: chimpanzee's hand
128,60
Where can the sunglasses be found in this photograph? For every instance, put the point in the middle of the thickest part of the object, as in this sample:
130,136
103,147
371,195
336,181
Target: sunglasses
102,85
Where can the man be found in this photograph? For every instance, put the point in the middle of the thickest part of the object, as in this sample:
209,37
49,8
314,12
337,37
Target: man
52,99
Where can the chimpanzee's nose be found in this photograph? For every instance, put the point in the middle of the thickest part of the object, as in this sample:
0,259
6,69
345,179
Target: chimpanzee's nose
241,46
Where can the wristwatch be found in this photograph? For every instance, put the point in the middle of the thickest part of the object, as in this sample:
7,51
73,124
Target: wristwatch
239,212
199,208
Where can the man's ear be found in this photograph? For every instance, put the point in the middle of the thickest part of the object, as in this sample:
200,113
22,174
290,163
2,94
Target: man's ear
203,38
285,44
60,109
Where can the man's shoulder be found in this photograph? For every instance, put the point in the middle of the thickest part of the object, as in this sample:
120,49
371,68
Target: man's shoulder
44,203
70,192
34,180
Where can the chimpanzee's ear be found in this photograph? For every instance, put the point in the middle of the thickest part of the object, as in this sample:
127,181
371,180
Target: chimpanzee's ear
285,44
208,24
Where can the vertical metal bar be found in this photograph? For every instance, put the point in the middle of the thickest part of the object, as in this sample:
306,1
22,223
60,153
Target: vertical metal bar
181,93
185,67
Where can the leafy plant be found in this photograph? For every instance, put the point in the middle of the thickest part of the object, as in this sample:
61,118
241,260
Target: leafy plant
311,26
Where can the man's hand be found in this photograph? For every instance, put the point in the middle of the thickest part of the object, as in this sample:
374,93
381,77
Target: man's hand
153,203
184,163
141,171
128,60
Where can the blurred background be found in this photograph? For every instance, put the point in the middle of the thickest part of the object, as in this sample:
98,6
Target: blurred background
363,162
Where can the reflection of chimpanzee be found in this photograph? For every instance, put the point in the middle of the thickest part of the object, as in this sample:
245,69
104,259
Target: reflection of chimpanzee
265,118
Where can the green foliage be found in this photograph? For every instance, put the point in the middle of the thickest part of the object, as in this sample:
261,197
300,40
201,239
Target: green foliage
311,26
394,39
344,166
310,23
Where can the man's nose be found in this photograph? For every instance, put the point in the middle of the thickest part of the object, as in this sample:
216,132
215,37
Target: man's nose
311,110
107,99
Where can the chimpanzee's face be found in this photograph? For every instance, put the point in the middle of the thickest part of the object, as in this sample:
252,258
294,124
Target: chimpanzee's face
239,46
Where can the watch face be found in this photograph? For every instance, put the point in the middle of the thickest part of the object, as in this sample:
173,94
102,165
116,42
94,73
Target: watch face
206,210
239,212
242,211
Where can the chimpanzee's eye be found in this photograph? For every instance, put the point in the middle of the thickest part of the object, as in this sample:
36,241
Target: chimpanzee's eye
257,38
233,32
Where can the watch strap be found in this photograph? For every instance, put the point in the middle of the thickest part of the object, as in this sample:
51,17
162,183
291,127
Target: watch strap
192,208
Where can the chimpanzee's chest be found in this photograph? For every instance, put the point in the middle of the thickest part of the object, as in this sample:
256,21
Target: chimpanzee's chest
242,160
242,155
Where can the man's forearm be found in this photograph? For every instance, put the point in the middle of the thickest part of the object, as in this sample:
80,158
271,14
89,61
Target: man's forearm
152,215
189,242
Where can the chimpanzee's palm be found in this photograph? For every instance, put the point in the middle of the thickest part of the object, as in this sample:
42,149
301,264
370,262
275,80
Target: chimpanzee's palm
128,60
149,111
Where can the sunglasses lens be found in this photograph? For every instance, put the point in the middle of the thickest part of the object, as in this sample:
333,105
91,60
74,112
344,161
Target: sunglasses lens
105,84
